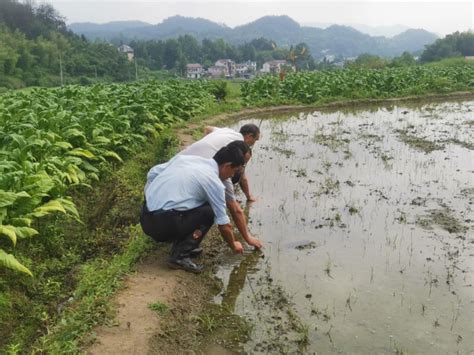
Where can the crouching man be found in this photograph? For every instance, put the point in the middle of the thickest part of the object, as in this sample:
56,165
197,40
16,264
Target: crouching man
183,199
216,138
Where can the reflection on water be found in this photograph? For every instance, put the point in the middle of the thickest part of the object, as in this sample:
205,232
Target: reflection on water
367,218
238,277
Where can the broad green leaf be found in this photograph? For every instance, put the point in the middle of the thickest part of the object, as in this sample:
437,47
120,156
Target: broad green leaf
48,207
88,167
3,214
159,126
8,165
96,132
25,232
101,140
112,154
61,115
74,133
70,207
7,198
63,145
9,261
22,194
93,176
79,152
9,231
71,175
40,182
20,140
22,222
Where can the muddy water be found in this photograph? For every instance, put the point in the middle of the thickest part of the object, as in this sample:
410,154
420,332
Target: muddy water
368,223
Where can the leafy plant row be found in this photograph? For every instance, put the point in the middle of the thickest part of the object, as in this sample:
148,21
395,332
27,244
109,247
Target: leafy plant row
312,87
53,139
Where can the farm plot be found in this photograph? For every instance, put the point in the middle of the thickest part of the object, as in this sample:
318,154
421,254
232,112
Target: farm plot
55,139
368,222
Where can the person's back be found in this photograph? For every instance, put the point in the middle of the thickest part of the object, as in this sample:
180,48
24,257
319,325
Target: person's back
180,184
207,146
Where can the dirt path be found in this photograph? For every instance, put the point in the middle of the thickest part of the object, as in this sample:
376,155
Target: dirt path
138,329
136,322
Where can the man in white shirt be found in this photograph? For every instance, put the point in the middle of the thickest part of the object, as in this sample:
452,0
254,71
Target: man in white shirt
184,197
206,147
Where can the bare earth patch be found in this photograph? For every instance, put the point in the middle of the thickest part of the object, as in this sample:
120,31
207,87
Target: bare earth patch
136,322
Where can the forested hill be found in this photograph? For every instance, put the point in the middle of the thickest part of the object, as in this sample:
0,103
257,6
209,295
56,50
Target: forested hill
453,45
36,48
337,40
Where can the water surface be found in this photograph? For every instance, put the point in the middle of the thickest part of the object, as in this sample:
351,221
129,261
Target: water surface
368,223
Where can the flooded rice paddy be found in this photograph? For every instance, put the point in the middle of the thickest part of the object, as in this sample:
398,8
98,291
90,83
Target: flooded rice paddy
368,223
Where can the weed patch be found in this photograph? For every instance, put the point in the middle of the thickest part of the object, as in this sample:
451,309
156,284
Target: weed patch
419,143
158,307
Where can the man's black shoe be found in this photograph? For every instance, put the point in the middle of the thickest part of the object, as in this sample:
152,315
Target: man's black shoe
195,252
184,264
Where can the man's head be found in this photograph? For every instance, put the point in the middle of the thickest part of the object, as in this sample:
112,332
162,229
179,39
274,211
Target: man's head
247,151
251,133
230,159
244,147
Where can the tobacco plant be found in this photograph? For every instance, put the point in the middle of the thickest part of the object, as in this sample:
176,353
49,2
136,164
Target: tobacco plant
53,139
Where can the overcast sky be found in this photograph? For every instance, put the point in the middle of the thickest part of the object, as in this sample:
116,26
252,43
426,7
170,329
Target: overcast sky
441,17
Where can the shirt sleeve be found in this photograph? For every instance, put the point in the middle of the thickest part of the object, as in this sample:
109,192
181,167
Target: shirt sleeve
215,192
229,190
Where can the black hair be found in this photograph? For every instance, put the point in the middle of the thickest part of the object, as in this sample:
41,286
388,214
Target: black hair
244,147
249,128
231,153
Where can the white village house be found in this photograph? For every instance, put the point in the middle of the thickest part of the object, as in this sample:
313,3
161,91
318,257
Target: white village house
273,66
217,71
127,50
222,68
194,71
244,68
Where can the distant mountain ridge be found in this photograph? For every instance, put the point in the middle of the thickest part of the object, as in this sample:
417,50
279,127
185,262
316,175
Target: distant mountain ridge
375,31
336,39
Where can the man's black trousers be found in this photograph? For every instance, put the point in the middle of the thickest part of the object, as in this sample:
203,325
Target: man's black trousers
177,227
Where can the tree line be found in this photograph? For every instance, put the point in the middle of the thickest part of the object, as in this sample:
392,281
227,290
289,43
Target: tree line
175,53
453,45
35,47
457,44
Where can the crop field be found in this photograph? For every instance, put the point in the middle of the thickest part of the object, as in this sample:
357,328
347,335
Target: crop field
62,186
312,87
368,222
55,139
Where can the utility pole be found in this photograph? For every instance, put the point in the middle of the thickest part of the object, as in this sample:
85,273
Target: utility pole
61,69
136,69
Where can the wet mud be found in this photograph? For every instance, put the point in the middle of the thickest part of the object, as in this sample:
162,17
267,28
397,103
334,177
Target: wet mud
368,223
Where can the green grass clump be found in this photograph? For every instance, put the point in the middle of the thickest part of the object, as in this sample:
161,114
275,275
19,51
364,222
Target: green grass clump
158,307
